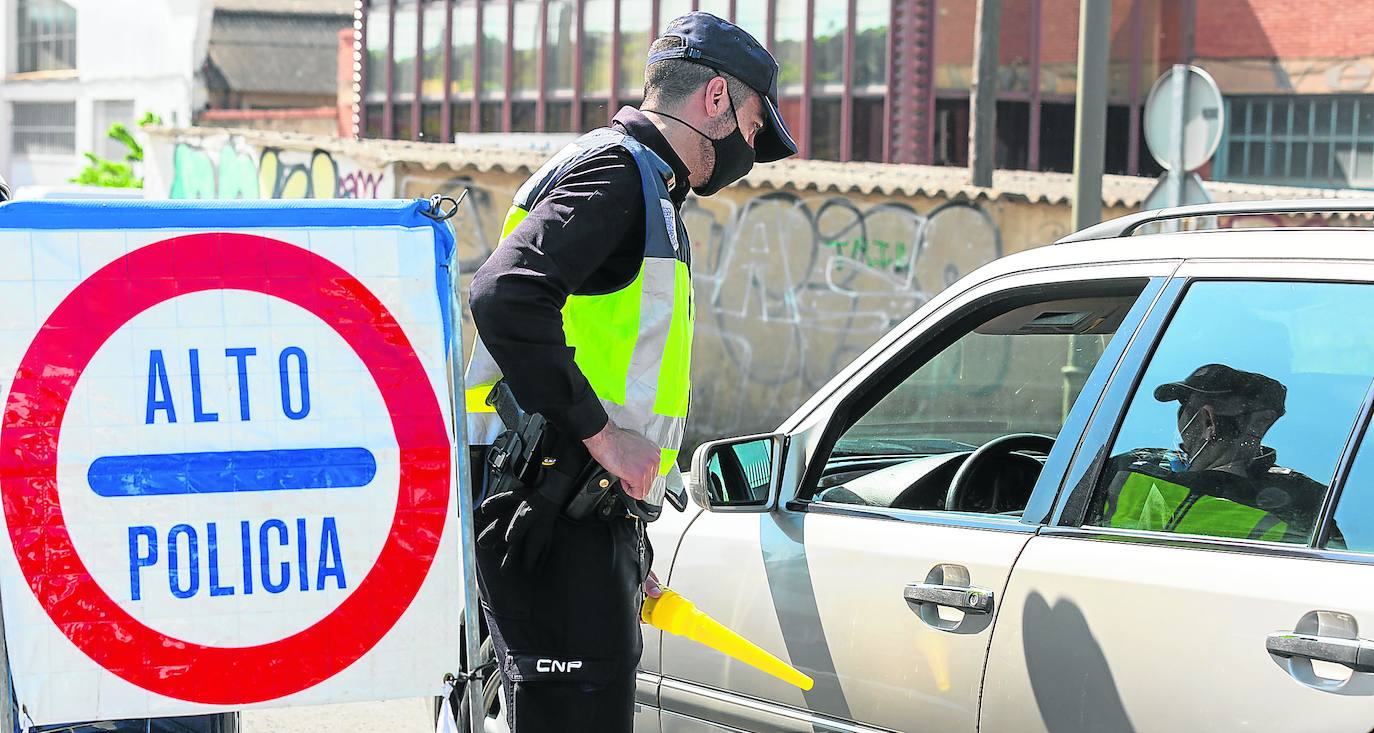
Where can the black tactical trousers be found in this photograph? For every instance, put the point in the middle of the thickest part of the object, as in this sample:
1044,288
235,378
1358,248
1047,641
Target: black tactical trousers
567,636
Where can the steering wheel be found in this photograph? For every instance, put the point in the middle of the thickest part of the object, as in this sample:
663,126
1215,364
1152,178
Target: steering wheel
994,448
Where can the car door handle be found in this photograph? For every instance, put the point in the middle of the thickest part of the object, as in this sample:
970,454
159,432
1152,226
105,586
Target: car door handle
1357,654
972,600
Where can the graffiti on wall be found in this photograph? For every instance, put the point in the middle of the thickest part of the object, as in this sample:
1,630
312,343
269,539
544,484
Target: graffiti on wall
238,172
790,290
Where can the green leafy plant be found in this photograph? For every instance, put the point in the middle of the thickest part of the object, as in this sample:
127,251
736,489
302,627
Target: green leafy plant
113,173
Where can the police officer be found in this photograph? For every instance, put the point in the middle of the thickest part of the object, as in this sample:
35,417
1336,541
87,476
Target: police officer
585,311
1222,479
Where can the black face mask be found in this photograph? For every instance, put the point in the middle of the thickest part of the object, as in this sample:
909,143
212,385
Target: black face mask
734,156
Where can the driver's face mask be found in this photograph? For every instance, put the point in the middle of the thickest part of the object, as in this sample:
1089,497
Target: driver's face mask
1225,428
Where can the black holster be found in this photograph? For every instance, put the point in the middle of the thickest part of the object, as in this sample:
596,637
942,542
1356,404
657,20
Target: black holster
531,453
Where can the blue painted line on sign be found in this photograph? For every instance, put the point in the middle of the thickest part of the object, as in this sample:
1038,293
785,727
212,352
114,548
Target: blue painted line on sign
172,474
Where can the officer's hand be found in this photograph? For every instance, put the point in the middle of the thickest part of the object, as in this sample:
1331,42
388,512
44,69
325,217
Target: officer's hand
651,587
628,456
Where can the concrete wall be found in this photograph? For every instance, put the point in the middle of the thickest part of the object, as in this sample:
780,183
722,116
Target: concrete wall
226,166
791,285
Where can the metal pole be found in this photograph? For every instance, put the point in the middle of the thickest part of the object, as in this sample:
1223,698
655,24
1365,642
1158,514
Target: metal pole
508,73
808,78
417,98
1037,16
579,39
541,105
360,10
1090,118
847,101
389,107
446,113
613,97
1179,77
472,625
982,137
7,714
475,112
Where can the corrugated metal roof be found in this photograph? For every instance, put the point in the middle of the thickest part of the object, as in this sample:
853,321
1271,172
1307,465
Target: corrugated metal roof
942,181
275,52
813,175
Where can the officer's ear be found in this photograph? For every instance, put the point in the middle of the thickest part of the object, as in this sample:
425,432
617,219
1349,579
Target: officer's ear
717,97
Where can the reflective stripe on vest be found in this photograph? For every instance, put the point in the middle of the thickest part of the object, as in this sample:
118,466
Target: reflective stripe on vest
634,344
1141,501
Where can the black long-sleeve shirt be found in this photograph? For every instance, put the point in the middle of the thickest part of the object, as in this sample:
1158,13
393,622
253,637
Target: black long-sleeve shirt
584,237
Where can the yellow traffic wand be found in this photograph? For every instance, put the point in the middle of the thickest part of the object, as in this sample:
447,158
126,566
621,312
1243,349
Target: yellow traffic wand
678,616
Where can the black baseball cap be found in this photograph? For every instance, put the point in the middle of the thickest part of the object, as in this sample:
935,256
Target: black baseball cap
1222,381
727,48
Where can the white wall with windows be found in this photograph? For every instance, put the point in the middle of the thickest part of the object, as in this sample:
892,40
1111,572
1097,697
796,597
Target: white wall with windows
71,68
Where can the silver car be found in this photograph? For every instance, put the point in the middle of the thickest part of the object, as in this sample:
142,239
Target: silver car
1113,484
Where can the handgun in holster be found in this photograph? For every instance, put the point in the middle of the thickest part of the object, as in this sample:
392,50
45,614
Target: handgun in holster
531,454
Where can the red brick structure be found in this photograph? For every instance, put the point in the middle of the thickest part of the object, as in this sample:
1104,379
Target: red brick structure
887,80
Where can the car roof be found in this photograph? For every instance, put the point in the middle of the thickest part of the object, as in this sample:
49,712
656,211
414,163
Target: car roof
1252,244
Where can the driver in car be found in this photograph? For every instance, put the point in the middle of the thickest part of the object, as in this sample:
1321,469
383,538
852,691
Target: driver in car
1221,480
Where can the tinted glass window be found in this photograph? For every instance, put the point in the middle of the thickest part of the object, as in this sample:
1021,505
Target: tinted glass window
1242,413
1013,373
1353,526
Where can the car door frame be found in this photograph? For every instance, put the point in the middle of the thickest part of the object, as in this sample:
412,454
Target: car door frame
923,331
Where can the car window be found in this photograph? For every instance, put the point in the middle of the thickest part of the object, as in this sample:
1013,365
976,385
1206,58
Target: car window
1242,413
1352,526
1014,373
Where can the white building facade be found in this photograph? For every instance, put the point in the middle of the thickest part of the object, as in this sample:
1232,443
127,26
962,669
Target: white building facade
71,68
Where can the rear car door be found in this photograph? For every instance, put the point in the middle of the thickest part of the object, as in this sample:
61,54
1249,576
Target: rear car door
853,568
1185,588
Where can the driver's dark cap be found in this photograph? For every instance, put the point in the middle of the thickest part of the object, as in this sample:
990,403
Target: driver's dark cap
727,48
1223,382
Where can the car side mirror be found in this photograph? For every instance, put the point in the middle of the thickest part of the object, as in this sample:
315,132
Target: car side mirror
736,474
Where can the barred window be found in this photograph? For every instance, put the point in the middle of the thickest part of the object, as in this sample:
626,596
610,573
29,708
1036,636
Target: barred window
44,128
1324,141
45,36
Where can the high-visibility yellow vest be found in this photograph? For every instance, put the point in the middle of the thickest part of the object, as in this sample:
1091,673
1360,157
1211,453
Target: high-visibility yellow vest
634,345
1141,501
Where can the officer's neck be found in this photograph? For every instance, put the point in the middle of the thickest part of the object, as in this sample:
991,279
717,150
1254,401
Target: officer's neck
690,146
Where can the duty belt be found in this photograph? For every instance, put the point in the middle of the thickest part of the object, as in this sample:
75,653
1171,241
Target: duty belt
531,454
